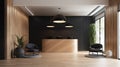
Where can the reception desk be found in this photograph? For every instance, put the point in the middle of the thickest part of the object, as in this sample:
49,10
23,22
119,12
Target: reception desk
60,45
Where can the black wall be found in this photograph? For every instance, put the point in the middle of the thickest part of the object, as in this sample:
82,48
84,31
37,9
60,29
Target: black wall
38,30
2,29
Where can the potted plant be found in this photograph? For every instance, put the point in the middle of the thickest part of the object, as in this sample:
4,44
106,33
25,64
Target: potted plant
92,34
19,50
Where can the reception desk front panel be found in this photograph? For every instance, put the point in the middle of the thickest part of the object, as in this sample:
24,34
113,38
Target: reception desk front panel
60,45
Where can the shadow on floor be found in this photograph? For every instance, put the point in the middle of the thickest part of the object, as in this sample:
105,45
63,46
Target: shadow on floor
95,56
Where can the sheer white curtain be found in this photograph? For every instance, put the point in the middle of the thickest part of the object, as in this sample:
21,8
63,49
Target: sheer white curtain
118,34
100,31
97,31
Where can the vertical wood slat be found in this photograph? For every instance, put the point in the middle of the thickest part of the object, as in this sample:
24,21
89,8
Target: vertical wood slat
115,26
111,27
16,24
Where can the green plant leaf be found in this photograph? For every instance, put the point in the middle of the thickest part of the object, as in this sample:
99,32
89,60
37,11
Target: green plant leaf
92,34
20,41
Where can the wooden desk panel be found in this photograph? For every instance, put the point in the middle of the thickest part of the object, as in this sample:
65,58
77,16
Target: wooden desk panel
60,45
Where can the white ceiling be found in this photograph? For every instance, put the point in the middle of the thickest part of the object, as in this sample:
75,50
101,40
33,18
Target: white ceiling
68,7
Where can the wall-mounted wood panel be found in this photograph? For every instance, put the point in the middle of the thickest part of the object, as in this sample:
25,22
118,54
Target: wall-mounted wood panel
111,27
16,24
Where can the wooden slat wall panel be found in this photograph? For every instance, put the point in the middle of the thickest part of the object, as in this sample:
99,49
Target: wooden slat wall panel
16,24
111,27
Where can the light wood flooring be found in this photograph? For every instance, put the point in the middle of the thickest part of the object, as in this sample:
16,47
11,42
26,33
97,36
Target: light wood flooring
61,60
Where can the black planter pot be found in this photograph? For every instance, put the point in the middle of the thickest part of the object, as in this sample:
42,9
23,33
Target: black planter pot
19,52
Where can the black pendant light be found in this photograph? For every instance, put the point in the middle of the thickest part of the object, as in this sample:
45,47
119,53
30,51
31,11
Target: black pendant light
68,25
59,18
50,26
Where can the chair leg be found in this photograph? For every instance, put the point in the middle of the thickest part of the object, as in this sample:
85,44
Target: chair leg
92,53
102,53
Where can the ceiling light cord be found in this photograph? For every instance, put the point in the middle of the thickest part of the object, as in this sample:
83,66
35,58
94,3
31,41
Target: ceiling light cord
59,10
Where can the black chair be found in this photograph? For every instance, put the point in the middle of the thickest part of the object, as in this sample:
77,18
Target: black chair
96,48
30,47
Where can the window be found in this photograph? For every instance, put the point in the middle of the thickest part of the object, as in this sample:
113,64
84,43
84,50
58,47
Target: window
97,31
118,34
100,31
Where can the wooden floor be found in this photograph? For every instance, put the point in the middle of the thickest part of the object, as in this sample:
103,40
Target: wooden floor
61,60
